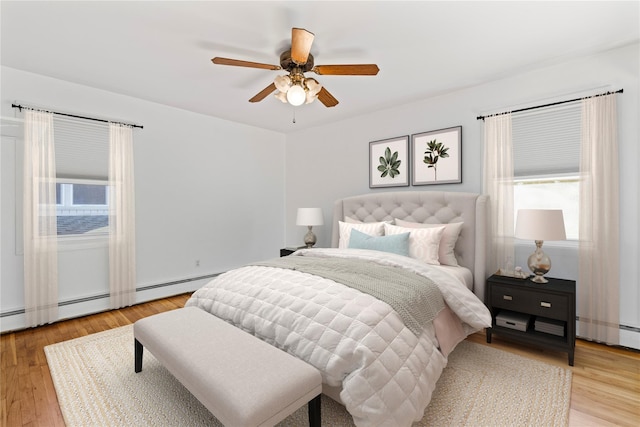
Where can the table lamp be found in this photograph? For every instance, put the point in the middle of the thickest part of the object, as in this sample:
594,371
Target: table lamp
540,225
309,217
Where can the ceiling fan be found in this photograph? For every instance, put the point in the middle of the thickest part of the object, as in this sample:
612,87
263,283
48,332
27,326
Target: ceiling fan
295,88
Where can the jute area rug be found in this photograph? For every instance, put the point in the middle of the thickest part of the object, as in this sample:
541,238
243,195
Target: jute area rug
481,386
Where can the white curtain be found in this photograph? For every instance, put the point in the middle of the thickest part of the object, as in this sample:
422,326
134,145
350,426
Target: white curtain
40,220
599,277
498,184
122,238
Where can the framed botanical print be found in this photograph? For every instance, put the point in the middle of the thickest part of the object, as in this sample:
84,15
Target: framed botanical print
389,162
437,157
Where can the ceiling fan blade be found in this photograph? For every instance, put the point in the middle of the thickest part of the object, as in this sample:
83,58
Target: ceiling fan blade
239,63
301,41
263,93
326,98
347,70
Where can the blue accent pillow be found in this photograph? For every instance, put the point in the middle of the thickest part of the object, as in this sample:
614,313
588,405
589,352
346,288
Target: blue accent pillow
396,243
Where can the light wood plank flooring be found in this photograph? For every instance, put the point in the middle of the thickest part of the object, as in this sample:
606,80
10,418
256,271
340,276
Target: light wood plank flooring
605,389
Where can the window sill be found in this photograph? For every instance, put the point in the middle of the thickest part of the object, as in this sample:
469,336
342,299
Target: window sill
81,242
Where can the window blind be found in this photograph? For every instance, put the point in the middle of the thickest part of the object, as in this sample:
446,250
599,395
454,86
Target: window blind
547,140
82,148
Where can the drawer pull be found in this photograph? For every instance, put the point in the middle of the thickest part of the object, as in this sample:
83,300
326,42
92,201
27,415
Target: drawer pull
545,304
507,297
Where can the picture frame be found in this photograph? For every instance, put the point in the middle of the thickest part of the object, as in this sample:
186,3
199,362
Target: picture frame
389,162
429,165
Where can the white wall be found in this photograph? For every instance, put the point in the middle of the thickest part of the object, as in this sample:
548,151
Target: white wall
206,189
189,165
330,162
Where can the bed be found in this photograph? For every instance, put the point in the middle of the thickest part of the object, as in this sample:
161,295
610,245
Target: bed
379,355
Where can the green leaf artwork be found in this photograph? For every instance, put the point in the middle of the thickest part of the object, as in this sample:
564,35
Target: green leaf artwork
389,164
435,151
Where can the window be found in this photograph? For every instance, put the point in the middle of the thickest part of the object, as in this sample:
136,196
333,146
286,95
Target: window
546,150
89,194
82,207
82,155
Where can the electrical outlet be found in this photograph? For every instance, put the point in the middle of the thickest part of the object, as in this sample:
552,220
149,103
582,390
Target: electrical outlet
197,263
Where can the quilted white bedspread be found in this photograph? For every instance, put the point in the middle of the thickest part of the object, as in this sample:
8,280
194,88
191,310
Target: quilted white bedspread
387,374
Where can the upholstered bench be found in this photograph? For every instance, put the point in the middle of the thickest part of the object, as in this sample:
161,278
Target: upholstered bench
241,379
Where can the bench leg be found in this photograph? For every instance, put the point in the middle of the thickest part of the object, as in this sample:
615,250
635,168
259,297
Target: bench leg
314,412
138,355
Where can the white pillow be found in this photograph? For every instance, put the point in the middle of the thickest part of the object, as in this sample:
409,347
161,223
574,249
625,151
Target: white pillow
370,228
423,242
357,221
446,254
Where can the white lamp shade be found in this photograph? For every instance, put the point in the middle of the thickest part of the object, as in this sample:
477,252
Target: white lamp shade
540,224
313,86
281,96
309,216
296,95
282,83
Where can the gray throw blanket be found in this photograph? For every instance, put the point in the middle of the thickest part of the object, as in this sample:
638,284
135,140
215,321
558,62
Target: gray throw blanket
415,298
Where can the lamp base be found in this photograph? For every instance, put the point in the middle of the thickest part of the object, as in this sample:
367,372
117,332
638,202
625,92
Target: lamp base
539,263
309,238
539,279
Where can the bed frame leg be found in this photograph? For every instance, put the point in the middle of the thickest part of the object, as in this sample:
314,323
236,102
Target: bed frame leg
315,416
139,349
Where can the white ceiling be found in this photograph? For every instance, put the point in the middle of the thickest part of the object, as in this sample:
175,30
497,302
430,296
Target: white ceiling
161,51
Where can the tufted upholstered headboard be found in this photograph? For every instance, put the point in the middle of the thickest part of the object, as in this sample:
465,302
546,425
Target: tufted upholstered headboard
428,207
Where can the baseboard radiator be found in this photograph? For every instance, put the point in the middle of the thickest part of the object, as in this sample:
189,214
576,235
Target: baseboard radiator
106,295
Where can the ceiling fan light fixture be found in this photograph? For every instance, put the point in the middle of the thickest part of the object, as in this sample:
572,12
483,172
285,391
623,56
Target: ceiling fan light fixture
310,98
281,96
296,95
313,86
282,83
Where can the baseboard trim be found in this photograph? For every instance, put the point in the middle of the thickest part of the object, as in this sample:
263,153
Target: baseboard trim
177,282
106,295
630,328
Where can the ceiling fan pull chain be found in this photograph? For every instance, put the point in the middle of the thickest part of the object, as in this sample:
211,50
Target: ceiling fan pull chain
294,114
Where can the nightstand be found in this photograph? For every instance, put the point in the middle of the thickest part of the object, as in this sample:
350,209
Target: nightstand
289,250
539,314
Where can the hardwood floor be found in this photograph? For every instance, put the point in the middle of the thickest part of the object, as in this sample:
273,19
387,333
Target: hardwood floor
605,389
27,395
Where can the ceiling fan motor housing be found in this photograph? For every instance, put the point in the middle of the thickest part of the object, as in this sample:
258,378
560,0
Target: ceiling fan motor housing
289,64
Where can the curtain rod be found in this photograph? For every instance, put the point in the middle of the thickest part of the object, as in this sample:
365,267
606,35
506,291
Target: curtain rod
548,105
20,107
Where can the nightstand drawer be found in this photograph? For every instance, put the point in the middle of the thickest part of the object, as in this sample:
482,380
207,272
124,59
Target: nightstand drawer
536,303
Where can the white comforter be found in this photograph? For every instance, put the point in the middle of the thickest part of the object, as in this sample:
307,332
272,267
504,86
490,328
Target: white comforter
387,374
